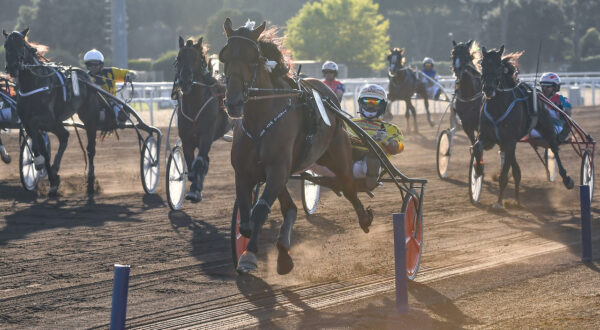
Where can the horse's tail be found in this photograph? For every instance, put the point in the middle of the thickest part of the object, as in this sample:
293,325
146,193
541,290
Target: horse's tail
81,145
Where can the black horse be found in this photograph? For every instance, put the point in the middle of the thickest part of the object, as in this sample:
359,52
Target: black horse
45,98
467,93
508,115
404,82
201,118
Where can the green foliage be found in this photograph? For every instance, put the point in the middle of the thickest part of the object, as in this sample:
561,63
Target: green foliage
165,64
591,63
346,31
213,32
64,57
590,42
140,64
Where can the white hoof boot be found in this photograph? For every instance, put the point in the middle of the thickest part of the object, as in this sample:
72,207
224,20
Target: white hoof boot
247,262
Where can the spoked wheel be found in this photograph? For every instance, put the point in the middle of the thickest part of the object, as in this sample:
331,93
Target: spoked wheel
149,165
475,183
413,226
176,175
239,242
29,175
587,172
551,165
311,192
444,148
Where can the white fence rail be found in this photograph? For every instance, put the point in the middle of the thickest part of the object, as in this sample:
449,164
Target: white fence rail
582,88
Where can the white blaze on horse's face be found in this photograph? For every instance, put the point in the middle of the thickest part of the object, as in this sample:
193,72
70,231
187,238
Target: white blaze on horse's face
457,63
393,61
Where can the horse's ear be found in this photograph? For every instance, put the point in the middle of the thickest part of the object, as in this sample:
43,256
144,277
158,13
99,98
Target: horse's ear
501,49
181,42
227,27
402,51
199,41
453,43
24,32
4,33
198,45
470,43
256,32
483,50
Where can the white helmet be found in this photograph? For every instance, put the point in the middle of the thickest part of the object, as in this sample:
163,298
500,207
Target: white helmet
93,55
550,78
372,91
329,65
428,60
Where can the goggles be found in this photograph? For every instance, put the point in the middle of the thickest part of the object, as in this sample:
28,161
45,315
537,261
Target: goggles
93,64
367,101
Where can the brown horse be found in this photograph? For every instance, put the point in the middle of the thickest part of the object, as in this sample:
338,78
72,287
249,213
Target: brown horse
275,138
201,119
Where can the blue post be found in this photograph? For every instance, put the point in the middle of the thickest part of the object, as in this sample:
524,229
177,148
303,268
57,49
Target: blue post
119,301
586,223
400,262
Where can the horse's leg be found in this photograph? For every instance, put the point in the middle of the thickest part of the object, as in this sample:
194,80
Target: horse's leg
90,131
478,148
407,114
189,148
63,138
200,164
243,193
284,241
426,103
546,129
509,153
3,154
516,171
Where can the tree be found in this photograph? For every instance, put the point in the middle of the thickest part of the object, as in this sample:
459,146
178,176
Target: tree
590,43
345,31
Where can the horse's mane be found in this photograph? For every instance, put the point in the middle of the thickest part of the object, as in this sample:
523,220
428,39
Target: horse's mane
476,55
401,55
40,50
271,47
511,62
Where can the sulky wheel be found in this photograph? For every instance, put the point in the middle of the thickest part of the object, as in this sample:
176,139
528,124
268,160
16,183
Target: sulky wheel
444,149
176,176
239,242
149,165
475,183
29,175
311,192
587,172
551,165
413,226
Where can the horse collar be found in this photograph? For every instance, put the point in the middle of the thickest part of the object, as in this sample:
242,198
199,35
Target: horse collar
256,138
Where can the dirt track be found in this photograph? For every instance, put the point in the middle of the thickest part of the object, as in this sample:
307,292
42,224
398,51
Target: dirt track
481,268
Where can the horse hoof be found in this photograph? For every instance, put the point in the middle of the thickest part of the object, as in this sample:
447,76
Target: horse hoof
497,206
365,223
285,264
6,158
247,262
568,182
194,196
53,192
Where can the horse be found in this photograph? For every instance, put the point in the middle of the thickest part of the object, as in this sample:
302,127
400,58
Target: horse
201,118
467,93
275,138
508,115
45,100
403,83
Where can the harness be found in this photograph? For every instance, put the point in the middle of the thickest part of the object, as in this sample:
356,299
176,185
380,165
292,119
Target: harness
45,88
257,138
516,99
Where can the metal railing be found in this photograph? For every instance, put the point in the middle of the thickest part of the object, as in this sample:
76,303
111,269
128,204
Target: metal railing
581,88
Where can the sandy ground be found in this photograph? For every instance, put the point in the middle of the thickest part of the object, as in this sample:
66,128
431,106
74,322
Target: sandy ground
519,267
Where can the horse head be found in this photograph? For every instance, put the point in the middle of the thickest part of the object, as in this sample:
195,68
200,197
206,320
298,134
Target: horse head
191,64
492,69
461,56
17,51
395,60
241,56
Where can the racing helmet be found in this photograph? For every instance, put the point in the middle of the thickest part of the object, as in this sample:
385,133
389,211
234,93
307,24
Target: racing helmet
93,55
428,60
550,79
329,66
372,101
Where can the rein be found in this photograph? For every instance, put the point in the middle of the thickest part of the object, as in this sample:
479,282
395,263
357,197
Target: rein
495,122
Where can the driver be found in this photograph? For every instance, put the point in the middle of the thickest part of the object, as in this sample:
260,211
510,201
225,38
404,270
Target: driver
372,104
330,72
107,79
550,83
432,89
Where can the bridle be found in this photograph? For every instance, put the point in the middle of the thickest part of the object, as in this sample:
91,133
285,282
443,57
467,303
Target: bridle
245,86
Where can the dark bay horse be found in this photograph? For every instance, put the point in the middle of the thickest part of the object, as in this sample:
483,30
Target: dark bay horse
508,115
45,99
404,83
274,138
467,94
201,118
